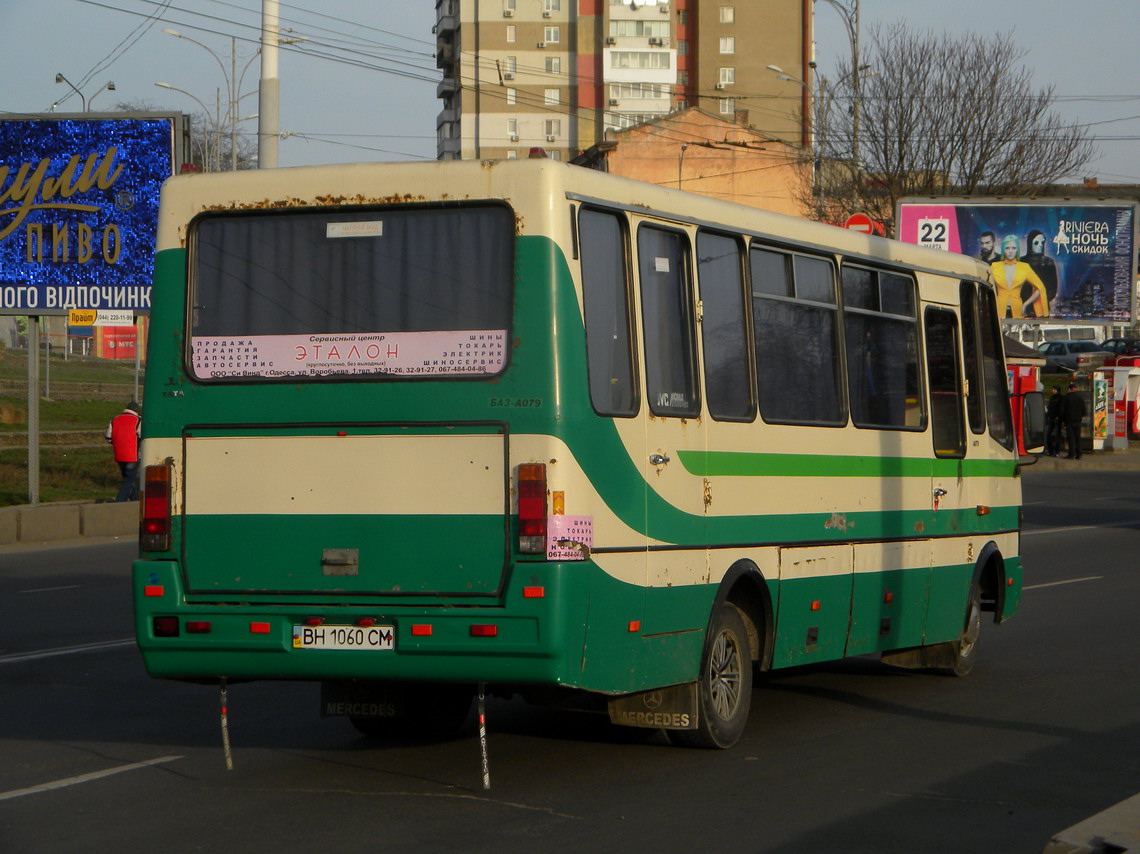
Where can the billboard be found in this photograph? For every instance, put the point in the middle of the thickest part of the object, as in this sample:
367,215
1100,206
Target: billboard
1060,259
79,209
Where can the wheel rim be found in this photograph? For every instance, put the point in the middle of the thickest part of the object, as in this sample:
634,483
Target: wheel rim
725,675
973,628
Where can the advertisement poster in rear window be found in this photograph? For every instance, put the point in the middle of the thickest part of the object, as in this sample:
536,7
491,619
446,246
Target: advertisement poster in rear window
1051,259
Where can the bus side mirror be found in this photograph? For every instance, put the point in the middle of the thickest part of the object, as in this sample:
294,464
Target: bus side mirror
1033,422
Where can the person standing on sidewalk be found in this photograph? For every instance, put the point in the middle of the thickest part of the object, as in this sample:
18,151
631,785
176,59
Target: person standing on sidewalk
123,432
1054,425
1073,413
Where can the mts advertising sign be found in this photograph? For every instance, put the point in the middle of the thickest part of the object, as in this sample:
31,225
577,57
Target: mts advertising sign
1065,259
79,209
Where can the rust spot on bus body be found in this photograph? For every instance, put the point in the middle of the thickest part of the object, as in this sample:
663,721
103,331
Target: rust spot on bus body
316,201
838,521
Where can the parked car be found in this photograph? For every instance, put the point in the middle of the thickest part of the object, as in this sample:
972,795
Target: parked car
1122,346
1072,356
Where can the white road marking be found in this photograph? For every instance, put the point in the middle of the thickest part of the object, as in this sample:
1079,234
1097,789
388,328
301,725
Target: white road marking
14,657
51,589
1127,524
1067,581
83,778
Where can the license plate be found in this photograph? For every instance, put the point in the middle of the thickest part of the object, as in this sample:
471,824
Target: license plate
344,637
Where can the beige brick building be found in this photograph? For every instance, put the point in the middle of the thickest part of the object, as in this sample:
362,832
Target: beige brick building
559,74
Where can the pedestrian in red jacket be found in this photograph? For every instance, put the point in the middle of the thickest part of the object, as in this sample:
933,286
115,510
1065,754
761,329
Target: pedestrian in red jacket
123,432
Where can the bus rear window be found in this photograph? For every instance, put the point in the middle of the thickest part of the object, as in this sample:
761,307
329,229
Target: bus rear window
340,293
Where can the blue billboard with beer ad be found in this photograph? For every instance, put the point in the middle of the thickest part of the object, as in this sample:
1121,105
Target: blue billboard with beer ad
79,209
1053,259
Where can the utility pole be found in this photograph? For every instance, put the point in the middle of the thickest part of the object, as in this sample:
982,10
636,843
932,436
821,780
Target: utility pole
268,138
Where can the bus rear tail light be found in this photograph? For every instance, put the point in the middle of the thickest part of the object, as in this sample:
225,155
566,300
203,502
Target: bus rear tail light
532,508
166,627
154,530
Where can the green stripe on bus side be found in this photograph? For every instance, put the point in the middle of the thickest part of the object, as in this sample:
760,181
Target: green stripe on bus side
746,464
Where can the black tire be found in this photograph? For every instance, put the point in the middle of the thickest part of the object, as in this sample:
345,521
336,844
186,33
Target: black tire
964,651
429,711
724,693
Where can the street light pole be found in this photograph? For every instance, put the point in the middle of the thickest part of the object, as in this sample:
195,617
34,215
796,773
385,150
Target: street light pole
233,103
59,78
233,90
680,162
850,16
109,86
205,114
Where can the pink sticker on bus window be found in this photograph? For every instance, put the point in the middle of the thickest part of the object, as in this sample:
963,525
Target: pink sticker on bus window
569,537
462,352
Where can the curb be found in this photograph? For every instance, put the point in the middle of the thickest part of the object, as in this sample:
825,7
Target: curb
41,523
1114,831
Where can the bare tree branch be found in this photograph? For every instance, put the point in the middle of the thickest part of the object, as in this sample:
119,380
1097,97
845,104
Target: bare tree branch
939,116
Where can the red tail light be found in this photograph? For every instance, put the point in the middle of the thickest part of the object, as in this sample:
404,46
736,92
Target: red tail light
154,530
532,508
165,627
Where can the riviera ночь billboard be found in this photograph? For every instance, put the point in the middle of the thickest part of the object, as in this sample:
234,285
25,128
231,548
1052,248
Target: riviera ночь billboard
1063,259
79,209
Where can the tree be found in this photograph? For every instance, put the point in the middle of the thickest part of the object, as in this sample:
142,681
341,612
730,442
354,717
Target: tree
210,138
937,116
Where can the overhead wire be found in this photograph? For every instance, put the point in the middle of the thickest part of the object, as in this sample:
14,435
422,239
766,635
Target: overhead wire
118,50
419,66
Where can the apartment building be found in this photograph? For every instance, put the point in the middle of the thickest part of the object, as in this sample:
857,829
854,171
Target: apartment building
559,74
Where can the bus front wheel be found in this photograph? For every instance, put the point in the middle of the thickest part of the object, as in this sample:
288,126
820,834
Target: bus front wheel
725,686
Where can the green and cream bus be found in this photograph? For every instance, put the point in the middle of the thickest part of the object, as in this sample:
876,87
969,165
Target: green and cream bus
412,428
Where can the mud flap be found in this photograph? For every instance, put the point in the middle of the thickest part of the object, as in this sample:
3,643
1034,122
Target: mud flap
364,700
921,657
663,708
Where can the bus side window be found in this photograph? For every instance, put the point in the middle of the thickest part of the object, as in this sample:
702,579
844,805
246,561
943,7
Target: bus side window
998,413
724,331
797,338
945,386
605,294
881,331
972,360
666,309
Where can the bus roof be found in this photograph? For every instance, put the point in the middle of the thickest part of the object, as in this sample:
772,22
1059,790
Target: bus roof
185,196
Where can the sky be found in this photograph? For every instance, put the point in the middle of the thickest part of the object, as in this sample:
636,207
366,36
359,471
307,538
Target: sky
361,84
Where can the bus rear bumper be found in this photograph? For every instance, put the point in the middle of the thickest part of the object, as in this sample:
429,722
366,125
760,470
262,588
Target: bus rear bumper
516,639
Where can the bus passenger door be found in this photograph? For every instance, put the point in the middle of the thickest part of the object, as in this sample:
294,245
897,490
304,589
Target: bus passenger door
675,488
947,427
948,490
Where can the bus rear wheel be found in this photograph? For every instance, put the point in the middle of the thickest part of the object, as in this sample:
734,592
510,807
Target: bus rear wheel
964,651
725,686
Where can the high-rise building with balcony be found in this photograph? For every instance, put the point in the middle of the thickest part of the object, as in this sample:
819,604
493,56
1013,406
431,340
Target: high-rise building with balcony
556,74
